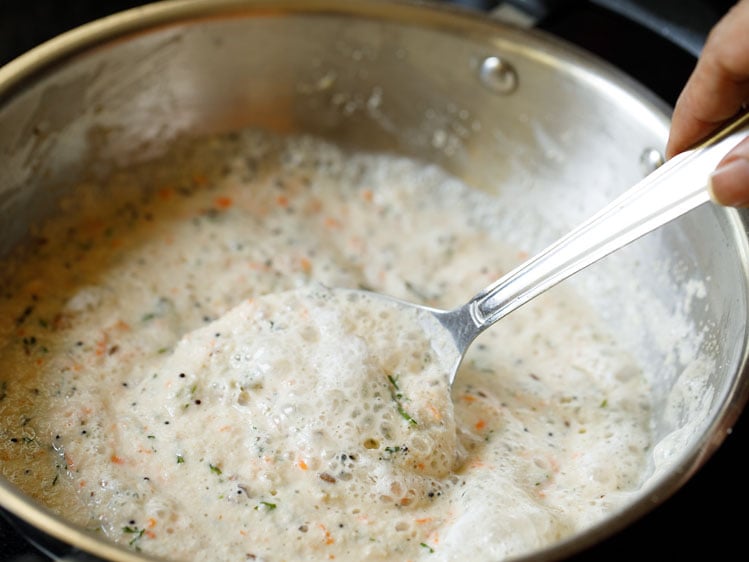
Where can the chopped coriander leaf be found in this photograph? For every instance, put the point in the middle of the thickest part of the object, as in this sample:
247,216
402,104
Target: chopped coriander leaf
397,397
267,505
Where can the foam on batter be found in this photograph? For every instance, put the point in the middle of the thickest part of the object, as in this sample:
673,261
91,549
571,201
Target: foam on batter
179,378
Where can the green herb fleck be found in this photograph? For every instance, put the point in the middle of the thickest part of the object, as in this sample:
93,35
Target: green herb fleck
180,459
397,397
214,469
133,531
405,415
267,505
425,545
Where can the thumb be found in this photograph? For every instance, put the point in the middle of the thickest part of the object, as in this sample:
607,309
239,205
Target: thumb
729,183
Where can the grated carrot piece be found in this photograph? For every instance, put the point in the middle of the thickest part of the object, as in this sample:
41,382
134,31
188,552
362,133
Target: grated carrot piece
331,222
223,202
306,265
102,344
328,537
435,412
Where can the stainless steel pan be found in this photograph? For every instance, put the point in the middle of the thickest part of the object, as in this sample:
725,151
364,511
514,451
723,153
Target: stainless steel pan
553,131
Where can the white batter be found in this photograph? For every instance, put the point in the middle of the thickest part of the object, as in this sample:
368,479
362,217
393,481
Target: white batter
165,384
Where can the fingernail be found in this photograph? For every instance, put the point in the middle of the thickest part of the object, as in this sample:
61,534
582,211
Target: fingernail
729,184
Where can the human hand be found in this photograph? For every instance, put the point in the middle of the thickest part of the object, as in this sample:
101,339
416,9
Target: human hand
715,92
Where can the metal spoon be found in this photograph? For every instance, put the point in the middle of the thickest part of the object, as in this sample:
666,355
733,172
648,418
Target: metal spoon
675,188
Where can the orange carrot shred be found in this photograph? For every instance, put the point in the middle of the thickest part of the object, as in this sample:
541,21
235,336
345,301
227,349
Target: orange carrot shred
331,222
328,537
223,202
306,265
435,412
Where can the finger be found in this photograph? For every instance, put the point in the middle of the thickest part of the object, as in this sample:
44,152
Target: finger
729,183
719,84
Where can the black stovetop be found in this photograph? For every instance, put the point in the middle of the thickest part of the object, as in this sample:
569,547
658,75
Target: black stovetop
705,519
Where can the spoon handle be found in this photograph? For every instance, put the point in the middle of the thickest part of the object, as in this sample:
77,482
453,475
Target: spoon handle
675,188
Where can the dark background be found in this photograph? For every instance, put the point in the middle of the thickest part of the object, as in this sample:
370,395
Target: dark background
704,520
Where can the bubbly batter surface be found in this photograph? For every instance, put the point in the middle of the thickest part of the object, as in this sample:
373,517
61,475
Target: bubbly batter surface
178,376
